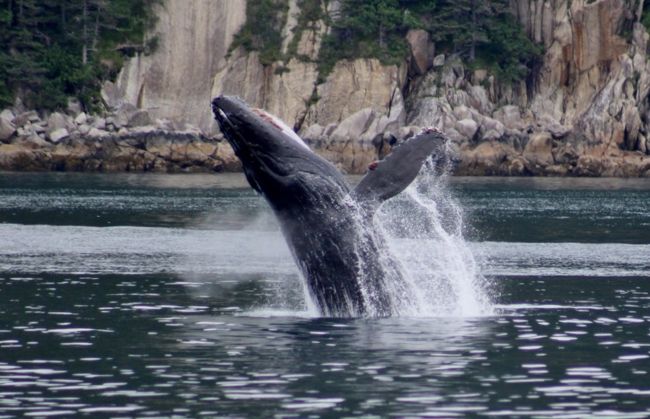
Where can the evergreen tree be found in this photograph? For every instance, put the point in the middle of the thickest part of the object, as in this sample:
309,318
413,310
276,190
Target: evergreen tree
263,29
52,49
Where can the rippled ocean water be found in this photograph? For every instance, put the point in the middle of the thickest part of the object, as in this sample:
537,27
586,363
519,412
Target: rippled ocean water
175,296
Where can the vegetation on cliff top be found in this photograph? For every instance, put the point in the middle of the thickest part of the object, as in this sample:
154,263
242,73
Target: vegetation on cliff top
263,29
483,32
53,49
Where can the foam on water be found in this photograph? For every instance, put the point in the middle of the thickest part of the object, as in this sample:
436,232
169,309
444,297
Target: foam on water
442,274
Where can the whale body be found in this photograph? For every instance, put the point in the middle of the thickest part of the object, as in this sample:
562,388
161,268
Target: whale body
327,225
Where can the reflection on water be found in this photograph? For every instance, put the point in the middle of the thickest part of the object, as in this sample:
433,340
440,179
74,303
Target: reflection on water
156,346
130,296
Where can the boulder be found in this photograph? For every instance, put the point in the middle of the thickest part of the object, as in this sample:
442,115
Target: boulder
313,132
165,124
81,118
15,157
407,132
467,128
26,117
140,118
39,127
510,116
123,114
84,129
539,152
150,128
34,142
480,76
462,112
492,129
516,167
422,49
74,106
485,159
97,133
111,95
58,135
8,114
455,136
491,135
353,126
99,123
56,121
7,128
589,166
439,60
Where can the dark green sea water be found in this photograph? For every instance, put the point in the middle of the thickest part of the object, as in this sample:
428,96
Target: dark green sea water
175,296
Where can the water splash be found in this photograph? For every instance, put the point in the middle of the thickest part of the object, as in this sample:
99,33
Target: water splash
424,227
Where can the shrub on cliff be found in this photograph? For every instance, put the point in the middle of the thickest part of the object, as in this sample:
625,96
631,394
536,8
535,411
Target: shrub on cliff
263,29
483,32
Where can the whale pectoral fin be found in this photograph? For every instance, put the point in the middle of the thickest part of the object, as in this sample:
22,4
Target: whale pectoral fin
396,171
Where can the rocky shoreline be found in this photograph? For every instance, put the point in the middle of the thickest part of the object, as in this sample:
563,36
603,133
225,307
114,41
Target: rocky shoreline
123,141
584,112
129,141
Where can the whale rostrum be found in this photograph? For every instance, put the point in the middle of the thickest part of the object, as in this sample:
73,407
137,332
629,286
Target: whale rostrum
327,225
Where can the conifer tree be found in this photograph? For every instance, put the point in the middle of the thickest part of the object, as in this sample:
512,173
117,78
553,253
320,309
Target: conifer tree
52,49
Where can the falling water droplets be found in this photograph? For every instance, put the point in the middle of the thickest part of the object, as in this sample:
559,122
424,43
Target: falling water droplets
424,227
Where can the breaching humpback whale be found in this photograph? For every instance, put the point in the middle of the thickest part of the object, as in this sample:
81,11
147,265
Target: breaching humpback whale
327,225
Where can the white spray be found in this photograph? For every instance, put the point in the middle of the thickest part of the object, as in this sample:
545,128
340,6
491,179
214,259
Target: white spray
424,227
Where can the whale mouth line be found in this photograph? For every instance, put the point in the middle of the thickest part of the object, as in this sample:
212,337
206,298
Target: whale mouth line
222,114
222,117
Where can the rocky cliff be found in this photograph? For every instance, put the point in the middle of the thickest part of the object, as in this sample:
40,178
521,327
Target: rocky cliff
585,111
175,82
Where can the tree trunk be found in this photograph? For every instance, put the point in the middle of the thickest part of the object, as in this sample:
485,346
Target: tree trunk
84,52
639,11
472,48
96,33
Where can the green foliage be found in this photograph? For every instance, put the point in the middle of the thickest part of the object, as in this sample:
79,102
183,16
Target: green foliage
509,53
483,32
263,29
368,29
311,11
54,49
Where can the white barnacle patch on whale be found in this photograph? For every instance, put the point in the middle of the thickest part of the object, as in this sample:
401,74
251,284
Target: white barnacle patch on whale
280,125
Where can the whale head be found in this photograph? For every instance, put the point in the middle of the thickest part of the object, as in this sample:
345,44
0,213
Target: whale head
276,161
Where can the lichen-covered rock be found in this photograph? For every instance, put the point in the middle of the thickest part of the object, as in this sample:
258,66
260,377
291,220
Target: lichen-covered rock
510,116
353,126
538,153
467,128
422,51
58,135
8,114
56,121
7,127
486,159
140,118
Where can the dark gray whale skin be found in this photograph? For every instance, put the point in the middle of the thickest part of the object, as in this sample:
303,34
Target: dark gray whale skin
328,227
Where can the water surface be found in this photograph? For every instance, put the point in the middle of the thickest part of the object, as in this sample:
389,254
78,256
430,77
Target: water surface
174,295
